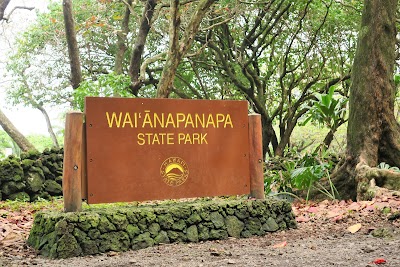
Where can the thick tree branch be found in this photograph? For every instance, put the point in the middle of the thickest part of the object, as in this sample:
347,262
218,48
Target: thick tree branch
13,132
174,56
73,50
138,48
122,39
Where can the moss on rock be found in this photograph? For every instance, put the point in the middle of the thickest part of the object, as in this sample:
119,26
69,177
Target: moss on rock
218,234
132,230
90,220
154,229
105,225
115,241
234,226
57,234
161,238
29,174
192,234
34,182
217,219
68,247
166,221
270,225
142,241
22,196
194,218
52,187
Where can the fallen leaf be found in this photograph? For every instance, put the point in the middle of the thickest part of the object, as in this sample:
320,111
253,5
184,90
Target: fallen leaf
354,206
380,205
337,218
370,208
334,213
11,238
312,209
280,245
354,228
379,261
112,253
302,219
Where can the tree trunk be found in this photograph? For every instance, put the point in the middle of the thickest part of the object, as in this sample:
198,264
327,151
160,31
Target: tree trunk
3,6
138,48
268,136
373,135
15,135
121,40
177,49
49,127
73,51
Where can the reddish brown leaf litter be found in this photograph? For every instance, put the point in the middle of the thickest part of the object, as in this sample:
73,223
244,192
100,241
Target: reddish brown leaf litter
330,233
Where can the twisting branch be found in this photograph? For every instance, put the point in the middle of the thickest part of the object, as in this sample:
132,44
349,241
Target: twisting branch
3,6
175,56
145,25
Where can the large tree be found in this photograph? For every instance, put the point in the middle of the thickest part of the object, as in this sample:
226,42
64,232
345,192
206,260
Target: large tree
279,55
275,54
5,123
373,134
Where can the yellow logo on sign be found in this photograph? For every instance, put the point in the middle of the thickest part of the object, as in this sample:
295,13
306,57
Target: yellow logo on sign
174,171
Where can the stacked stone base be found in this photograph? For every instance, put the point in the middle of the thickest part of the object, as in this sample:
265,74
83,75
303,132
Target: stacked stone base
63,235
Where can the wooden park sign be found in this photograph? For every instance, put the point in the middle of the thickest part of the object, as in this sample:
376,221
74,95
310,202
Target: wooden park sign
134,149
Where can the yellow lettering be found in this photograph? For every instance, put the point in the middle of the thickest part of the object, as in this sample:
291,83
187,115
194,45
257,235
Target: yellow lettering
127,120
220,118
189,120
170,138
114,118
147,119
141,140
200,120
187,139
180,117
155,139
159,120
210,121
203,139
170,120
136,119
228,121
181,137
196,138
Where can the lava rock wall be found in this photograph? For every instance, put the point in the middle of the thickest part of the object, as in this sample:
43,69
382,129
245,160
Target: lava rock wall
33,176
63,235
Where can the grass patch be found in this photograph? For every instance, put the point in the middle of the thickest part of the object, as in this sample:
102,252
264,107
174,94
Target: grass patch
303,135
55,204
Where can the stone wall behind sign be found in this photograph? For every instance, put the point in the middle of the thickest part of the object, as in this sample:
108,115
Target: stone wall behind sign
33,176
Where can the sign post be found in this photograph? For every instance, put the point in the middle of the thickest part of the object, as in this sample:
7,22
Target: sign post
72,166
256,157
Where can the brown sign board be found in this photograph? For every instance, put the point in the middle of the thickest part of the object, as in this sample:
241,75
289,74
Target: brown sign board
147,149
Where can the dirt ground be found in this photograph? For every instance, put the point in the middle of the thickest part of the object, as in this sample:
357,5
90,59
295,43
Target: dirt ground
329,233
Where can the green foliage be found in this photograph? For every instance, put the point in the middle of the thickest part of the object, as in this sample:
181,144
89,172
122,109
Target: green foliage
303,173
275,54
106,86
326,110
7,143
56,203
41,142
386,166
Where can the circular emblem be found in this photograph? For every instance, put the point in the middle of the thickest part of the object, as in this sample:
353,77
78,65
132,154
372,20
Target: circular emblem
174,171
